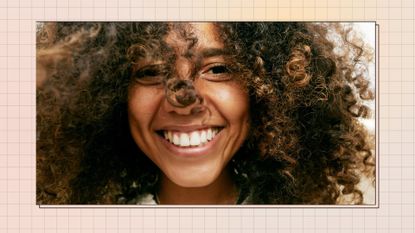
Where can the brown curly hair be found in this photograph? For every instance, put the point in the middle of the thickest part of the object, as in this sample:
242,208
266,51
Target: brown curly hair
307,84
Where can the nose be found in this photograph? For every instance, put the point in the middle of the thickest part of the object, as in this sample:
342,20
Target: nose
182,97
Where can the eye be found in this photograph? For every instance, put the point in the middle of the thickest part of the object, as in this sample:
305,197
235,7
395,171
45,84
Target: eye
217,72
219,69
150,75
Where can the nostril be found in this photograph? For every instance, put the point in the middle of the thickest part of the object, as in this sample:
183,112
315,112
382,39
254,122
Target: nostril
181,93
186,97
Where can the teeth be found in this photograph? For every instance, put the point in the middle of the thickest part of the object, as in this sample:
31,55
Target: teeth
176,139
209,134
195,138
203,138
184,139
169,136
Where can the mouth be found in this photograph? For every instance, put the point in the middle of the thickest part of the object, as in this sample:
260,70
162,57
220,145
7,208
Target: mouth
194,138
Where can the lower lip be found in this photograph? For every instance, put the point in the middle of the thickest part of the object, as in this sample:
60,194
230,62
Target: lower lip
193,151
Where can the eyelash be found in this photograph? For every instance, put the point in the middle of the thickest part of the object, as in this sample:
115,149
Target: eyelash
151,75
224,72
154,74
222,68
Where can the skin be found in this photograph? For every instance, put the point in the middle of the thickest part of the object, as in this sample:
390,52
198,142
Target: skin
192,178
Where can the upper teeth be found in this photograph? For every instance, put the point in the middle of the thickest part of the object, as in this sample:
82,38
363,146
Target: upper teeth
194,138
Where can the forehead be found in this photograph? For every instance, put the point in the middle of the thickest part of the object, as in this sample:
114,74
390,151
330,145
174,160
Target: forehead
183,37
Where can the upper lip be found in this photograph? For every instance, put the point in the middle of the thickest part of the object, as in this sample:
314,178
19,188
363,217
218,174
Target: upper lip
186,128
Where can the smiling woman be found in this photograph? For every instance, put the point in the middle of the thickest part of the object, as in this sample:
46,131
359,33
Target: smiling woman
191,142
201,113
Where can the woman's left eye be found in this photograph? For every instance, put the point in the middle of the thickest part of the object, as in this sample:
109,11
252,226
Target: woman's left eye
217,72
220,69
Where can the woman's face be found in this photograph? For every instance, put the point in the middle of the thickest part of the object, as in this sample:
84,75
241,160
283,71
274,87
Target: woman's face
191,145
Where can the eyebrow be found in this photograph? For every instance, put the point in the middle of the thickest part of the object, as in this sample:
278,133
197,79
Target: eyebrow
212,52
208,52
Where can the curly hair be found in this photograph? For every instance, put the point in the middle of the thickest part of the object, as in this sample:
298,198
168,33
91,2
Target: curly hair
307,85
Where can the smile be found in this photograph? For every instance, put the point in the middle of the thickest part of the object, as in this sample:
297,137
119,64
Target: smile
190,139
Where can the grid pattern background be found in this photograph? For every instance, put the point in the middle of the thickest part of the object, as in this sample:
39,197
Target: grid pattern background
18,212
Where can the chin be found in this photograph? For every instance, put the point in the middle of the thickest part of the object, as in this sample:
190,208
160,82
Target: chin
193,180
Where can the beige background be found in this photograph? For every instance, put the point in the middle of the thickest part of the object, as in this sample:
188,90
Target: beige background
18,212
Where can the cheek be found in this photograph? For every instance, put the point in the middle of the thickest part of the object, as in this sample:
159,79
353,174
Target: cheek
233,103
142,106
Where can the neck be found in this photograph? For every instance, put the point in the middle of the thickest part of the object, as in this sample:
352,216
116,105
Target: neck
221,192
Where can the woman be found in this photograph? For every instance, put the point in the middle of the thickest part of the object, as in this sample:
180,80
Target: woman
200,113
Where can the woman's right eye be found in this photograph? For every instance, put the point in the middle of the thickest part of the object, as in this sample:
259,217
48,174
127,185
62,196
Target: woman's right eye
150,72
150,75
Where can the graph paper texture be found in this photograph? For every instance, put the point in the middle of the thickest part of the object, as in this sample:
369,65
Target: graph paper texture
18,212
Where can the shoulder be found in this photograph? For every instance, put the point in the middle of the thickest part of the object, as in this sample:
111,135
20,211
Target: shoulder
146,199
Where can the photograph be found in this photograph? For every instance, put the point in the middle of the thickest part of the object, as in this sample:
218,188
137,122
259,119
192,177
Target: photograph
205,113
